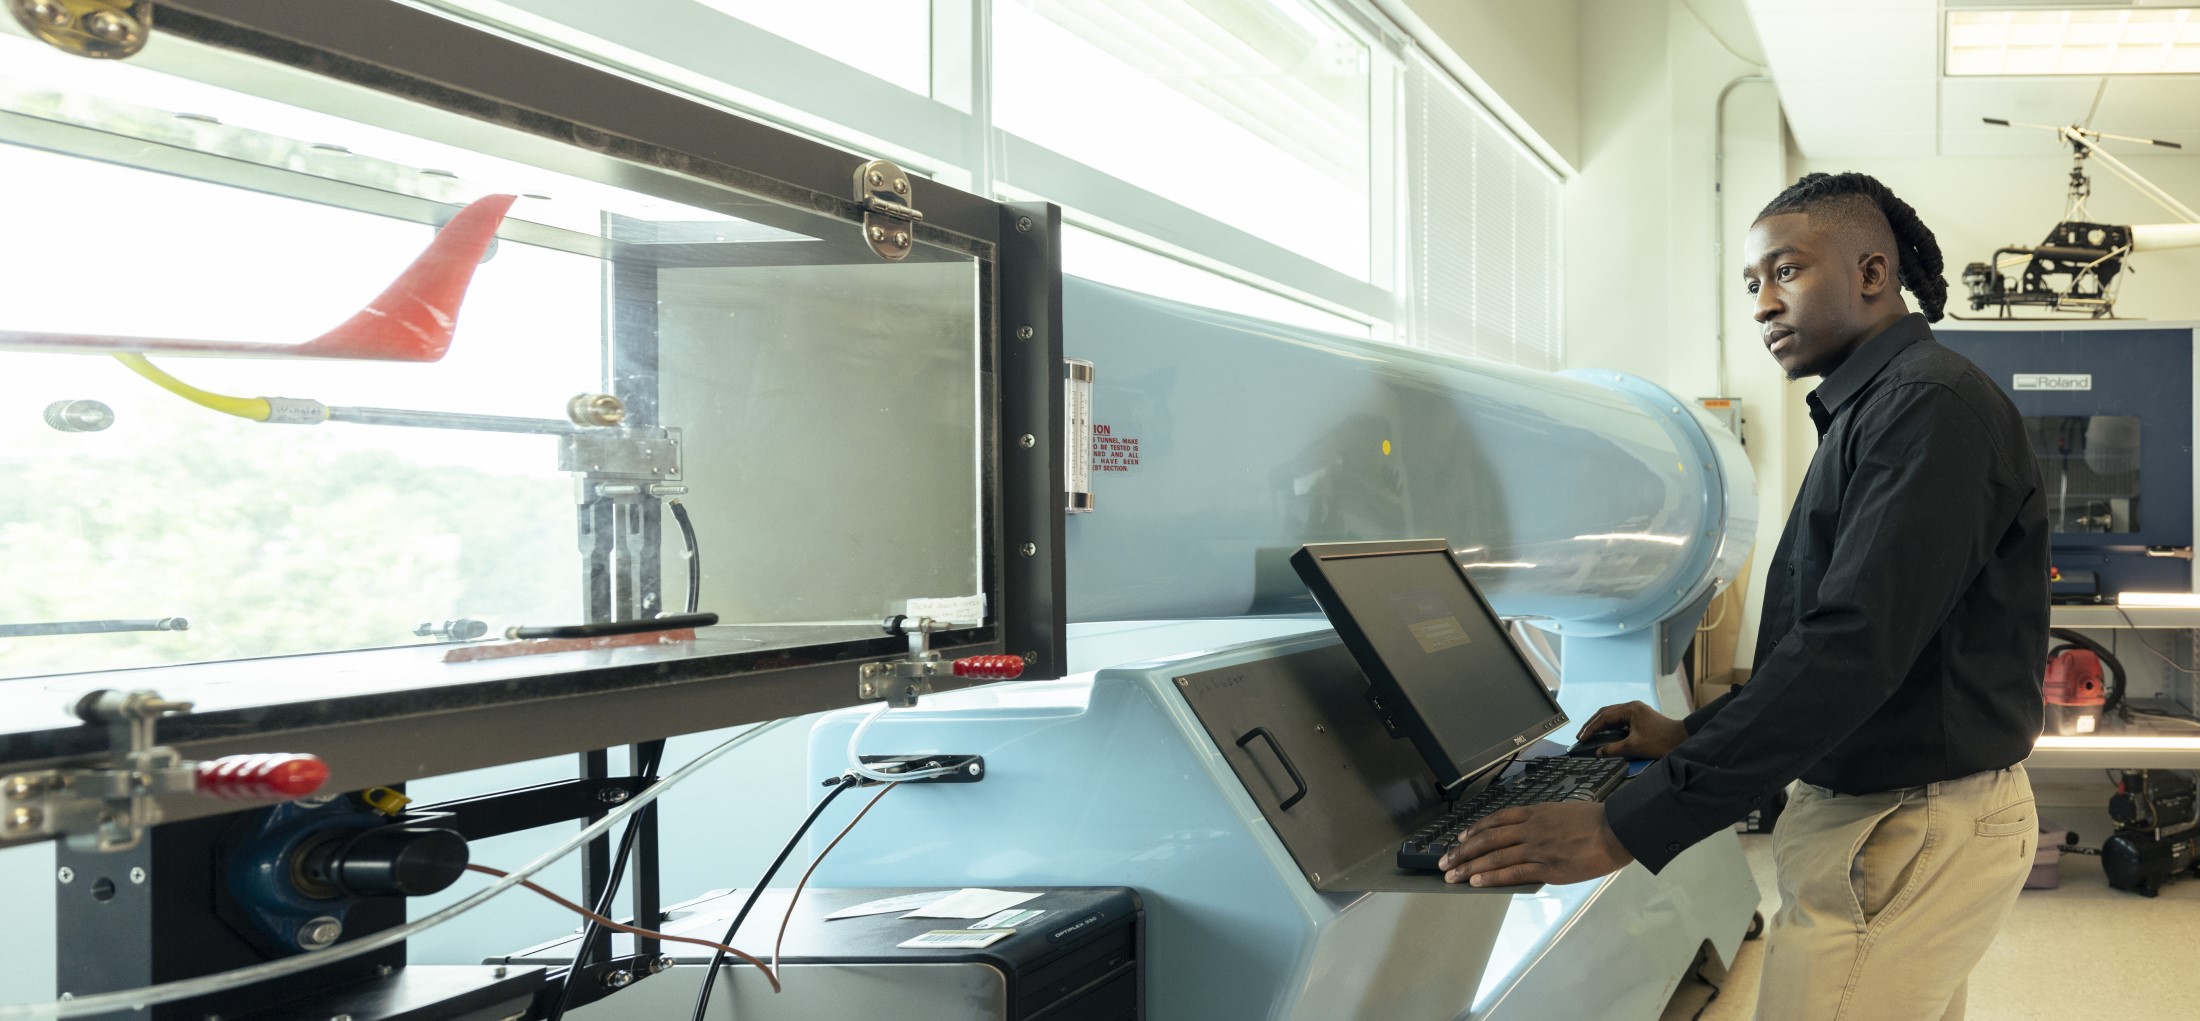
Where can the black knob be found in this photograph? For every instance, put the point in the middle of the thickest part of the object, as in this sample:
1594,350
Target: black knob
406,861
2123,808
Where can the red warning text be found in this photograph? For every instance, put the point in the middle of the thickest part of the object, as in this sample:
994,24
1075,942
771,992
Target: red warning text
1112,453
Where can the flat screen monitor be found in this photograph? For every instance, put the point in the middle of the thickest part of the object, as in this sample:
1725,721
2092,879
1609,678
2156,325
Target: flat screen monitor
1438,661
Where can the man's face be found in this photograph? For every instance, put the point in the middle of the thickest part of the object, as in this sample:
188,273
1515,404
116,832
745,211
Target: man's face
1808,294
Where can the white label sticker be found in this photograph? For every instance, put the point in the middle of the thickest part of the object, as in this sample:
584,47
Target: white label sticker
950,610
957,939
2054,381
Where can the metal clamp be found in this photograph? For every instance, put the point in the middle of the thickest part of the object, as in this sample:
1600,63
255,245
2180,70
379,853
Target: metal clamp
109,808
889,219
900,682
102,809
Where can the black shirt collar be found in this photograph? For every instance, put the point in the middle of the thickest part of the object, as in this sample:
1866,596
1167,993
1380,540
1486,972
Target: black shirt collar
1864,364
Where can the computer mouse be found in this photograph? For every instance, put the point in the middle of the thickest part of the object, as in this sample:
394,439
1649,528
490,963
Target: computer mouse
1587,747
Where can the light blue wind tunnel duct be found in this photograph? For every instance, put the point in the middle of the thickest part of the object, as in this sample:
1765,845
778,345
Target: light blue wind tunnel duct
1222,443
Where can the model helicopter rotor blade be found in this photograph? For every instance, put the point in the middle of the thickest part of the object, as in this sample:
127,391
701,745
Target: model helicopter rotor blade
2131,138
2081,133
2098,93
2056,128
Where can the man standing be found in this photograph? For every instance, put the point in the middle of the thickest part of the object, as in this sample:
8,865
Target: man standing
1898,657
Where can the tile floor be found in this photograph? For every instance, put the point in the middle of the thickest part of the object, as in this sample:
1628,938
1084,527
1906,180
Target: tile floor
2079,953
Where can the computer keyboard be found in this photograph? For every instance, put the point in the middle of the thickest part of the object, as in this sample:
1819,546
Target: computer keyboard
1559,778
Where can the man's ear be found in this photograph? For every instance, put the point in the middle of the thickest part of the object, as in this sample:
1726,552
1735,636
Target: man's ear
1875,274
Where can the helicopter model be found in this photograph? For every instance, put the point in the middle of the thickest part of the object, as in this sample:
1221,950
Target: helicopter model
2076,269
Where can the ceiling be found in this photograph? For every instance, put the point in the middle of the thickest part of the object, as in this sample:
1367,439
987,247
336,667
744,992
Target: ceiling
1861,78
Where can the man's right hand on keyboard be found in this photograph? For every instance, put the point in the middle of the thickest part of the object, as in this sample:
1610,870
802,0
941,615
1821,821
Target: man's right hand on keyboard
1650,733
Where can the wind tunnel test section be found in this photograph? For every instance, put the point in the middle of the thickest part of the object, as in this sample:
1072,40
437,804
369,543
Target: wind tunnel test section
372,399
616,352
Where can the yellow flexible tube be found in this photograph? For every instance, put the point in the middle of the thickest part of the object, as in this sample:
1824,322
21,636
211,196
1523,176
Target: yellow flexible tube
254,408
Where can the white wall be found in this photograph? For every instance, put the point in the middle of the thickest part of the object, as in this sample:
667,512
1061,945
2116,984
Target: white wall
1645,289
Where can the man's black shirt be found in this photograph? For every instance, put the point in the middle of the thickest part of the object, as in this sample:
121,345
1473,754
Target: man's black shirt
1905,612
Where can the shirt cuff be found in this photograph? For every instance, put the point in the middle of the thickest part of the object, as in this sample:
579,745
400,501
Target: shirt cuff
1650,820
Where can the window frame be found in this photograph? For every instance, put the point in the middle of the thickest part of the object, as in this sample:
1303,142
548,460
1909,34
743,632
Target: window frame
696,50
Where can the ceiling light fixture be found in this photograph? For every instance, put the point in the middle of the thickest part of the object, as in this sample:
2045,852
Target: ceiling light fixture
2073,41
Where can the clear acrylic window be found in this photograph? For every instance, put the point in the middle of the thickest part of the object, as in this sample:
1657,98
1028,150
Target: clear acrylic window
815,410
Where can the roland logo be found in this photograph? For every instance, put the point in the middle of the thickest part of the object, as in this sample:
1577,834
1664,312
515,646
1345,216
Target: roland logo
2054,381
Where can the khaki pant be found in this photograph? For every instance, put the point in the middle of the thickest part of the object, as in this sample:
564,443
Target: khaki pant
1888,900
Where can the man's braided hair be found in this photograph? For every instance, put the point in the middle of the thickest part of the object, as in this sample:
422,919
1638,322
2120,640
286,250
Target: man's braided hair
1916,254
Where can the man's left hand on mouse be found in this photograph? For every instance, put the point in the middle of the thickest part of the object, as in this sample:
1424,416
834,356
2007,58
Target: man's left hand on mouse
1557,843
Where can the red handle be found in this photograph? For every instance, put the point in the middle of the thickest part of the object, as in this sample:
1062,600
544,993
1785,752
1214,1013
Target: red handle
991,668
278,776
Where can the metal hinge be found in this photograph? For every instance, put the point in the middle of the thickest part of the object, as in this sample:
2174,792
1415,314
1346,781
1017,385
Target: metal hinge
889,218
110,29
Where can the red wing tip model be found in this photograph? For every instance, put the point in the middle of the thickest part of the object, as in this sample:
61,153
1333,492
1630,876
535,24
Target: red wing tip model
410,321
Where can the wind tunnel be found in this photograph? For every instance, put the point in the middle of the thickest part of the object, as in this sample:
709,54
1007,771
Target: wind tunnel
1593,502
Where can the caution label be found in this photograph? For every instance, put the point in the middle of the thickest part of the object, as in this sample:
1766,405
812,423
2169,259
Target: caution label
1112,453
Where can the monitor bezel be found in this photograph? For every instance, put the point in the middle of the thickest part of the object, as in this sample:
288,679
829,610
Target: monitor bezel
1312,561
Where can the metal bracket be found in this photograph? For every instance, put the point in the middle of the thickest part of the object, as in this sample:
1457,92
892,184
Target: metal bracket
959,768
646,455
108,29
899,682
104,809
889,218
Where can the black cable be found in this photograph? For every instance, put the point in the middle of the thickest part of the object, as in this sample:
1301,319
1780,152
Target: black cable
644,625
1698,1015
651,756
695,557
717,958
2184,721
1497,767
594,928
